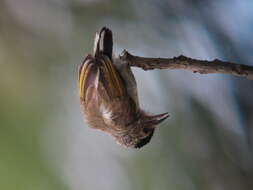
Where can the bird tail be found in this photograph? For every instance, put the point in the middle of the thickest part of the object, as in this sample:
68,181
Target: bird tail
103,43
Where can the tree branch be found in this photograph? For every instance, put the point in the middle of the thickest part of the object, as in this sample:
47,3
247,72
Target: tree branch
183,62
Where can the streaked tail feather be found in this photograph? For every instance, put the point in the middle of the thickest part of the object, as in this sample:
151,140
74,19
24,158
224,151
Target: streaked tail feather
103,43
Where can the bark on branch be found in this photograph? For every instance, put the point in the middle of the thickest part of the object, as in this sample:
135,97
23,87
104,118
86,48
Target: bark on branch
183,62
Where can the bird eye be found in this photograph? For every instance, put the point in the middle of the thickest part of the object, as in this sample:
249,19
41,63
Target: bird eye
145,130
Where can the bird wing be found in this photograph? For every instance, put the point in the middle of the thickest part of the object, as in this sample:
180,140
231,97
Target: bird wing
95,72
103,93
111,79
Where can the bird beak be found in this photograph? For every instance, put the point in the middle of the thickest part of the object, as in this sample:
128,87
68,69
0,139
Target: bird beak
156,119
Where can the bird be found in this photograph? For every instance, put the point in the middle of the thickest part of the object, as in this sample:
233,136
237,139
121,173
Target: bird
108,96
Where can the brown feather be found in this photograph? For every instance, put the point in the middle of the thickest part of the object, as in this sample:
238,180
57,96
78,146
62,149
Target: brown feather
109,99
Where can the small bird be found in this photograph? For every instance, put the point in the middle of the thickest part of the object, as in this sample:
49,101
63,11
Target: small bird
108,96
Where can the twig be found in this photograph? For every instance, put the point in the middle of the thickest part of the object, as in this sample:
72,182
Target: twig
183,62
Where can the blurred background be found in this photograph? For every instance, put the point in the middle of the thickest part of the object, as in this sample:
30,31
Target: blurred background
44,142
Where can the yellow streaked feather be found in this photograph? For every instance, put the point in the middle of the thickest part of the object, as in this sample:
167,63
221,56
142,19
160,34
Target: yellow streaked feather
115,82
82,79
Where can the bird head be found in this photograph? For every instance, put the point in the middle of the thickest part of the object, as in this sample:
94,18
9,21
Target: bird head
140,132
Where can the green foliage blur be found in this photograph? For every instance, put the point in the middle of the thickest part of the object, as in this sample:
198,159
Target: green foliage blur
44,142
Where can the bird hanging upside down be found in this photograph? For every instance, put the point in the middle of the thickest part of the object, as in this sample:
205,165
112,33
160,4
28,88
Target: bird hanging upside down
108,95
